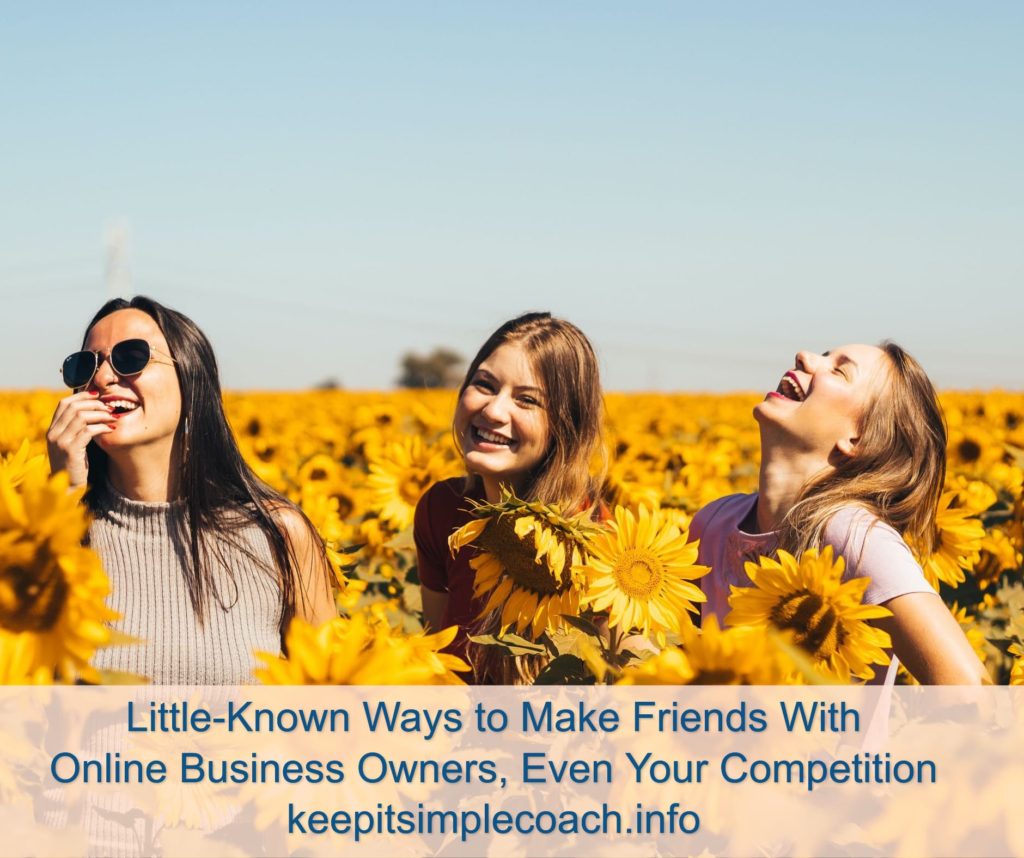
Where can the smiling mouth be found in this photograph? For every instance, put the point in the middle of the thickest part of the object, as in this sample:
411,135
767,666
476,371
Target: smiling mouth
790,388
483,436
122,406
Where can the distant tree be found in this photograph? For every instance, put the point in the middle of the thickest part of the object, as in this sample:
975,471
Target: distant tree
332,383
441,368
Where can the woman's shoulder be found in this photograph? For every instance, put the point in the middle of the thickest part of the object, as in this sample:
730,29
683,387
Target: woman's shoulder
446,492
855,525
725,512
872,548
444,504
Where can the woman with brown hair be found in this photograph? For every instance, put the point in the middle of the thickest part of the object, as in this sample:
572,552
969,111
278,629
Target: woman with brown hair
528,419
853,456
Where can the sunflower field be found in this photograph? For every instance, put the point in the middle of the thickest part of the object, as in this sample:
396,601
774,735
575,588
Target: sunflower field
572,601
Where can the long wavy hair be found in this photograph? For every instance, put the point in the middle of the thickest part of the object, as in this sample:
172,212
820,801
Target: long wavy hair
572,469
898,469
567,368
220,493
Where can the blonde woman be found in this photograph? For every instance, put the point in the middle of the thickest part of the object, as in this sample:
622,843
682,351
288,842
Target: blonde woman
853,455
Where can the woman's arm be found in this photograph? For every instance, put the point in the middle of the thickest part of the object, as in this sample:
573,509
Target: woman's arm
434,604
925,636
929,641
314,601
432,556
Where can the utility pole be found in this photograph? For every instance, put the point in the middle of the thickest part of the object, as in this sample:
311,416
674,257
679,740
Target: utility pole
118,272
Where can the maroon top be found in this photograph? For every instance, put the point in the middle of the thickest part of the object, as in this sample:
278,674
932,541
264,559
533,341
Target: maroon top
441,511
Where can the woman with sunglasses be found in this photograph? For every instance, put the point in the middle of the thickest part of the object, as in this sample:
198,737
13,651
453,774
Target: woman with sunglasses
207,563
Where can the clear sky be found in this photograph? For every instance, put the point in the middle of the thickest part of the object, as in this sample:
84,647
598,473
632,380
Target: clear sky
703,188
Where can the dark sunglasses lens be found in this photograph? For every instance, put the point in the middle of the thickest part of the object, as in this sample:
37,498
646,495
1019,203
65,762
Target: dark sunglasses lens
78,369
130,357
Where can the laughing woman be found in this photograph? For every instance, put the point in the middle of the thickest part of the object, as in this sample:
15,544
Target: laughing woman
207,564
528,419
853,455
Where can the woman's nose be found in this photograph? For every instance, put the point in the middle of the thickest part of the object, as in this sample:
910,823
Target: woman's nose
496,409
807,361
105,374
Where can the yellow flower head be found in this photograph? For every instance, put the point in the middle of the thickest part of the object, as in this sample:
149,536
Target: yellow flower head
960,542
1017,673
52,590
808,598
975,635
399,475
641,570
18,464
525,565
360,651
743,655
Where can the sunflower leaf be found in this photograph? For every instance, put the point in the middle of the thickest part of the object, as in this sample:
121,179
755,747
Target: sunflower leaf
583,625
401,541
512,644
566,670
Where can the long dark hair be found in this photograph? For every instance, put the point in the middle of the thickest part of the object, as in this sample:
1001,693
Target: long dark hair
219,491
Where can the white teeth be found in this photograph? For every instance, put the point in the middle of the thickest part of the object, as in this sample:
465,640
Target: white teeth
122,403
794,391
491,437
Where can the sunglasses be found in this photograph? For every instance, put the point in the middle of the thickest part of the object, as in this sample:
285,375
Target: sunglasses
128,357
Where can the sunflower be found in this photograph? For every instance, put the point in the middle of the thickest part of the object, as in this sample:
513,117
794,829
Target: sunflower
15,466
960,537
526,562
322,511
1017,673
999,554
975,636
360,651
399,475
52,590
744,655
826,616
641,570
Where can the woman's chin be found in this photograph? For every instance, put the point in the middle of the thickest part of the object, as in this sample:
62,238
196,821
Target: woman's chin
485,464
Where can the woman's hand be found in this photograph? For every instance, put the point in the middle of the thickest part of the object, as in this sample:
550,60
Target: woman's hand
930,642
78,419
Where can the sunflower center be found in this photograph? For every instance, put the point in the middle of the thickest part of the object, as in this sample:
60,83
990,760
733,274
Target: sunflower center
969,451
639,573
814,622
346,506
517,556
31,596
722,676
413,484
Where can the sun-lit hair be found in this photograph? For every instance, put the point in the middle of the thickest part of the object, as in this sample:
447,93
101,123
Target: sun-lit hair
567,369
897,470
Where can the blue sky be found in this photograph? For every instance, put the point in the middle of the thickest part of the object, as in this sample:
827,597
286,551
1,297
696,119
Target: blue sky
704,189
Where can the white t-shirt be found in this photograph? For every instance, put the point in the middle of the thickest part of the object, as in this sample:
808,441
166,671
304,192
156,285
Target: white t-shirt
870,547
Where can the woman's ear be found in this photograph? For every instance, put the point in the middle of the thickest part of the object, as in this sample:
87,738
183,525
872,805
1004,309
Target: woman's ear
848,447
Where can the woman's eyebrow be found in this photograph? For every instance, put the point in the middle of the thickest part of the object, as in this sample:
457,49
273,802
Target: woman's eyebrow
842,359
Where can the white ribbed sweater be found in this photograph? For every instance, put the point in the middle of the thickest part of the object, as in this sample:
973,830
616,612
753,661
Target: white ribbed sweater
146,571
